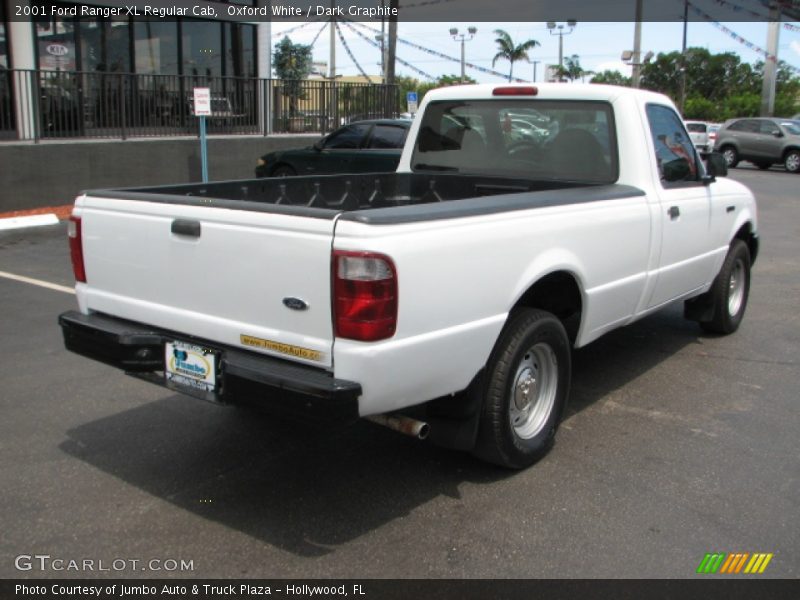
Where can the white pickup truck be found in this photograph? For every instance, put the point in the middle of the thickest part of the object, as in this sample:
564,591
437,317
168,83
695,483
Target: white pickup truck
443,299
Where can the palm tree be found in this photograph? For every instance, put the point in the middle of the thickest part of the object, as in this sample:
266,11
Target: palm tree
572,69
510,52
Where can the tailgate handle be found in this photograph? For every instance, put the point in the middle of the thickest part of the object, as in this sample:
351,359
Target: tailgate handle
186,227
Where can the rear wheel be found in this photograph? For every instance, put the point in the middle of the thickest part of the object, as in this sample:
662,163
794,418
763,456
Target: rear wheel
792,161
731,156
283,171
526,389
730,291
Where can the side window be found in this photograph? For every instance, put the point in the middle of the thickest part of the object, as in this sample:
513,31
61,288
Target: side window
769,128
349,137
388,136
675,154
745,125
750,126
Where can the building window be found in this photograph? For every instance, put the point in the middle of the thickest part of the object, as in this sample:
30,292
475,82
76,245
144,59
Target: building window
202,48
105,45
240,50
190,47
155,47
4,62
55,41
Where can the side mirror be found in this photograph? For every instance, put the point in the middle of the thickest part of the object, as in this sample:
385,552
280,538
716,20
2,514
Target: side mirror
318,145
716,165
676,170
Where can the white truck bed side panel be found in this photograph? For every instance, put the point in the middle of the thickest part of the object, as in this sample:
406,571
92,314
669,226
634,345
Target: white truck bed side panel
459,278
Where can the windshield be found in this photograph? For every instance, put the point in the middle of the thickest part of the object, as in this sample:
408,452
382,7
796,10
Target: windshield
696,127
543,139
792,127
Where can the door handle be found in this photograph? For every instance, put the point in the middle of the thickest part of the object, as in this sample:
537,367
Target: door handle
186,227
674,212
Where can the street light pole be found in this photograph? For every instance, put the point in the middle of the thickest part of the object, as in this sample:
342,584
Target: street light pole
463,37
535,62
559,30
636,73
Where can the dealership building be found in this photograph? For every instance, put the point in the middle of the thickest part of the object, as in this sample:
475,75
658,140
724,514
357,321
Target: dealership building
105,99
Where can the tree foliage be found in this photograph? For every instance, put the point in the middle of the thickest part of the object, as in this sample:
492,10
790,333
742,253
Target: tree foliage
292,63
719,86
510,52
611,78
572,70
290,60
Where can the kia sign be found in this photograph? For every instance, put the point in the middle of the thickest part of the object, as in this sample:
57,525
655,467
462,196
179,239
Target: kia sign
57,49
56,56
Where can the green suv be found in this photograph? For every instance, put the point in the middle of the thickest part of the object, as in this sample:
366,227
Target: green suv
763,142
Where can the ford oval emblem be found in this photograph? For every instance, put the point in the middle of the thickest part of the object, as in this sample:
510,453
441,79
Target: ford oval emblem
295,303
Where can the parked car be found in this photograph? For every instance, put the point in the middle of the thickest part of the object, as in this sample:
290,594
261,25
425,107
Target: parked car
762,141
359,147
698,132
713,132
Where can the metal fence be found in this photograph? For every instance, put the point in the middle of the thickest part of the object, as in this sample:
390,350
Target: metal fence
38,105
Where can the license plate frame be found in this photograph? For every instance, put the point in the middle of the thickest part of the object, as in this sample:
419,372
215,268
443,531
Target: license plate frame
192,368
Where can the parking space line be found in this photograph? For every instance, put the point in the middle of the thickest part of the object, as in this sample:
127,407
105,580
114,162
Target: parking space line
39,282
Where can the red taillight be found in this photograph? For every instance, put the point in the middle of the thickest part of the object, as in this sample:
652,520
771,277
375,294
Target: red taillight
515,90
364,296
76,248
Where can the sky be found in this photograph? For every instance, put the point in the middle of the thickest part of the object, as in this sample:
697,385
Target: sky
599,45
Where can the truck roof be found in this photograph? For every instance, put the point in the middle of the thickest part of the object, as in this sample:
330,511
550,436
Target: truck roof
561,91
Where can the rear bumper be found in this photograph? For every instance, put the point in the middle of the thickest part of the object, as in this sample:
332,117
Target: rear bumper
246,377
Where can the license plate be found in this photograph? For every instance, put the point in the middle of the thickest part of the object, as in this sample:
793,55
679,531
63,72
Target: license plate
191,366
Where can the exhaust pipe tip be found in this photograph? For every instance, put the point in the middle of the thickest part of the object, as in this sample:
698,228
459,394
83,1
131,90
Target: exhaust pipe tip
402,424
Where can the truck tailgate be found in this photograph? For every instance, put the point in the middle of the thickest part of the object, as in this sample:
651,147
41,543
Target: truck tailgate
252,279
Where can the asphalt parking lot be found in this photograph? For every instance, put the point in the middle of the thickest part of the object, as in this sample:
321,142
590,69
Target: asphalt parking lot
677,444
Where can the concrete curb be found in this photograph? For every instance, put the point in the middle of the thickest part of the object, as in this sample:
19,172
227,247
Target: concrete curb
29,221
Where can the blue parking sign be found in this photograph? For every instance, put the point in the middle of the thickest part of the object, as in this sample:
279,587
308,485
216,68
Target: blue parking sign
411,97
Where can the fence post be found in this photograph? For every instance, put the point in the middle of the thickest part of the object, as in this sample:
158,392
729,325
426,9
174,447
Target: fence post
122,111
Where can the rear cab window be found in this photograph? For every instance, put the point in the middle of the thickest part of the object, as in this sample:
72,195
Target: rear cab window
543,139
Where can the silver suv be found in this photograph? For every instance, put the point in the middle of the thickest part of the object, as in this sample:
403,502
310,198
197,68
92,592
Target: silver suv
763,142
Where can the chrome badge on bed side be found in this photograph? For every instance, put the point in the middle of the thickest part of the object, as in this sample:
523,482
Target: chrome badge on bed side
295,303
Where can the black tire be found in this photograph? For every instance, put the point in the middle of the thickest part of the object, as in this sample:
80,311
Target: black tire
283,171
791,161
531,358
730,291
763,165
731,156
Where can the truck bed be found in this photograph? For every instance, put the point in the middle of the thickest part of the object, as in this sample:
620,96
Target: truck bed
365,197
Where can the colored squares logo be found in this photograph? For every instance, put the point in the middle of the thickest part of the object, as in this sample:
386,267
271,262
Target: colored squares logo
734,563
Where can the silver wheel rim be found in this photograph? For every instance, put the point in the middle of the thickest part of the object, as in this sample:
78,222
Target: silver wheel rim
533,392
729,156
793,162
736,288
